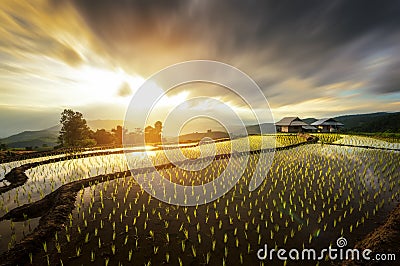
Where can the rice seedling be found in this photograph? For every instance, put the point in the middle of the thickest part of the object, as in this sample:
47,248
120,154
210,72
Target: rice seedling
310,190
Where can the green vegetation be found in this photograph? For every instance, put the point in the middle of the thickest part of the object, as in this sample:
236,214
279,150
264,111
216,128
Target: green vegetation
385,136
39,138
153,134
327,137
367,141
74,131
3,147
289,139
103,137
372,123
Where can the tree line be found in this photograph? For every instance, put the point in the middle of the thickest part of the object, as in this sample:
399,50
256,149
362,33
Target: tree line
76,133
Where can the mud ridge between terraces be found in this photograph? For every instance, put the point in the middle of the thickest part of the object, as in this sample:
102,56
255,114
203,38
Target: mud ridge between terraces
76,151
17,176
56,206
365,147
37,154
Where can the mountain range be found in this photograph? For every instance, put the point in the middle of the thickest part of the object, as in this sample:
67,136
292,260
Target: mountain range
372,122
48,137
365,123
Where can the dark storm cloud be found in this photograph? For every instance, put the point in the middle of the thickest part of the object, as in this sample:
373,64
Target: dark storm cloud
324,42
389,80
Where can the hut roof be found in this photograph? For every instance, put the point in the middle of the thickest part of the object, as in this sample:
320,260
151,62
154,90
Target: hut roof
291,121
327,122
309,127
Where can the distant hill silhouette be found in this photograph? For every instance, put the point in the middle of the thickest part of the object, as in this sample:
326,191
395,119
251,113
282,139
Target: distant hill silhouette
40,138
48,137
374,122
368,123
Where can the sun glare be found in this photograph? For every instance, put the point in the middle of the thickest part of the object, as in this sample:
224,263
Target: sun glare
104,85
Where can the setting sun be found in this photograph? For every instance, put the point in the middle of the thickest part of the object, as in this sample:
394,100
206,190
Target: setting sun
107,85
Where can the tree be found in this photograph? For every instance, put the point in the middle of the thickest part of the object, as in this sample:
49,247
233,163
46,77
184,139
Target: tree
103,137
153,134
74,131
118,132
3,147
149,133
157,131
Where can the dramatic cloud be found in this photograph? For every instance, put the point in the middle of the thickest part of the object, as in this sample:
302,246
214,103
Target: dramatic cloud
309,57
316,42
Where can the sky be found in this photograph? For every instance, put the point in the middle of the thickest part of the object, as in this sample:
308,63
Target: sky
310,58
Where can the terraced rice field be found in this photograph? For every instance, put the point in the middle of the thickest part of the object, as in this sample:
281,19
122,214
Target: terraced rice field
311,195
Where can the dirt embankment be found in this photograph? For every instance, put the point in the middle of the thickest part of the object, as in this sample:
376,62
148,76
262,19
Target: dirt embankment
16,177
385,240
54,210
11,156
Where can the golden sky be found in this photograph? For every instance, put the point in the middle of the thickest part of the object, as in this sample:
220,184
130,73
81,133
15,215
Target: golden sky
310,60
